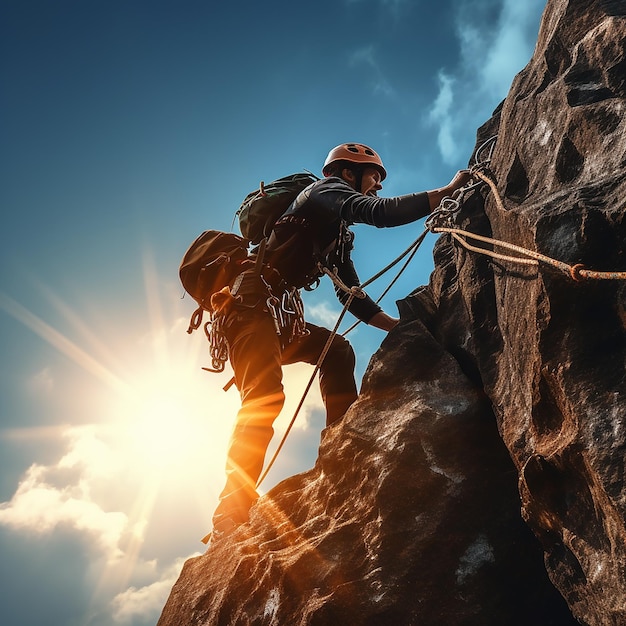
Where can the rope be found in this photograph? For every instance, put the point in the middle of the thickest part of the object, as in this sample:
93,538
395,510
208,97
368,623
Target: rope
455,233
320,360
576,272
492,185
412,249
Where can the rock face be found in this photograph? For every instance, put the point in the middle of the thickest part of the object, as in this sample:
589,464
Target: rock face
500,392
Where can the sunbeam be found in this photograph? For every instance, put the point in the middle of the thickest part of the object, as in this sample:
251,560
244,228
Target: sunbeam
61,343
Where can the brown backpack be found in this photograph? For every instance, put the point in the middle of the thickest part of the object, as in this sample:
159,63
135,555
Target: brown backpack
211,263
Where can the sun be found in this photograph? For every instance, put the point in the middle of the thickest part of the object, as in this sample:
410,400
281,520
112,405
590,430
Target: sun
145,442
161,425
172,418
179,419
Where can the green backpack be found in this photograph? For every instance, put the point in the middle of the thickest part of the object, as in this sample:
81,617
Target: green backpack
263,206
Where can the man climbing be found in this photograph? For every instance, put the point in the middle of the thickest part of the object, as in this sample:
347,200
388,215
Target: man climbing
264,327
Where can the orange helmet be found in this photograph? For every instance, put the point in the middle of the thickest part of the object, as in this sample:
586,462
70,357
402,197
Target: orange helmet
354,153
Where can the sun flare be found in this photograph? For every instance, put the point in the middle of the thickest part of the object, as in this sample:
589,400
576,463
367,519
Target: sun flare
172,423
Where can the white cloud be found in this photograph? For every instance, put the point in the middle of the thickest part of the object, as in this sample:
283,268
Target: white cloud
441,115
512,45
38,506
490,56
322,313
147,600
78,493
90,454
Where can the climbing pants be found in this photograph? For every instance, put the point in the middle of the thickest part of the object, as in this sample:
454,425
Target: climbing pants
256,358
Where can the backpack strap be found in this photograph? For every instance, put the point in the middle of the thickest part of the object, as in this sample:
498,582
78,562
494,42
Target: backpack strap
249,282
260,257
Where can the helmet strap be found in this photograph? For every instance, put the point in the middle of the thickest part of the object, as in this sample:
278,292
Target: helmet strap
359,179
357,171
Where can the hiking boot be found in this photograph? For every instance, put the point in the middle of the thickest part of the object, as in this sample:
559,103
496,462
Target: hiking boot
222,526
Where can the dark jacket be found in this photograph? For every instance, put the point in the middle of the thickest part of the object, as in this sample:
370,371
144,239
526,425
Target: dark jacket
310,231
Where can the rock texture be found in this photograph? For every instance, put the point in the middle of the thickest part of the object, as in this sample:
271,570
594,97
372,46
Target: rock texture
501,391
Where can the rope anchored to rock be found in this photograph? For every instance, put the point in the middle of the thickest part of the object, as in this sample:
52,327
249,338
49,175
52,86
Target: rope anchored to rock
577,271
442,221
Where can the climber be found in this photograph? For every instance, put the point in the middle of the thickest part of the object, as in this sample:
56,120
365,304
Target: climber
314,228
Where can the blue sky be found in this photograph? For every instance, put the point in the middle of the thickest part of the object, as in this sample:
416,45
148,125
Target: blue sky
128,127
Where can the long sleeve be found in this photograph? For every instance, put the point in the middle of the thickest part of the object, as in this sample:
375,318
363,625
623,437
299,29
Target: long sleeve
355,208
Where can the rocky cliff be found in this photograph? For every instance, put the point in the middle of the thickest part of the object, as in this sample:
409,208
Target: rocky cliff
479,478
